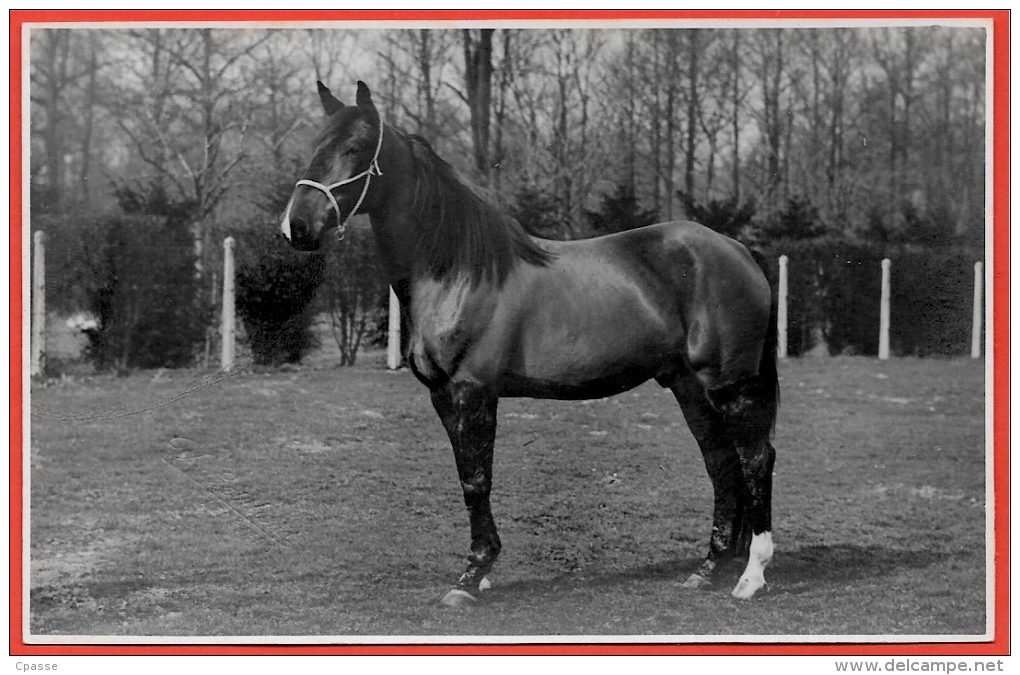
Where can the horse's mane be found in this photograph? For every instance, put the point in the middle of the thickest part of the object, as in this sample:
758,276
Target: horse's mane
458,231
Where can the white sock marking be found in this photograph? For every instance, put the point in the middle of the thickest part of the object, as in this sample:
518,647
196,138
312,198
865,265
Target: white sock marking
760,556
761,549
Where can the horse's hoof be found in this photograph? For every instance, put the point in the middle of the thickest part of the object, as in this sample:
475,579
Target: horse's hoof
696,581
484,585
457,597
748,586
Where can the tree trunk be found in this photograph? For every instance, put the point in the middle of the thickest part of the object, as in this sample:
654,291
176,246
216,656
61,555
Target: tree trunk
505,79
692,108
85,174
669,114
630,125
656,113
58,55
426,95
735,65
478,86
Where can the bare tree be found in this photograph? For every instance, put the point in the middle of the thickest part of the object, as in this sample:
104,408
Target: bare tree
769,59
736,102
694,48
478,93
64,84
187,110
898,53
826,62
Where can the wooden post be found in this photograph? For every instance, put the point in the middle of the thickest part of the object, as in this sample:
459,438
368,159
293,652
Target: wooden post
975,338
883,321
784,288
393,336
227,317
38,303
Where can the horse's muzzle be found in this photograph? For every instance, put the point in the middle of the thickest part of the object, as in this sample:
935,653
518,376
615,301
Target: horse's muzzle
300,234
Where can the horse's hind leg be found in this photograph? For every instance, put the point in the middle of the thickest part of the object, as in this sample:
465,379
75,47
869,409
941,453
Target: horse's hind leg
468,412
723,465
748,410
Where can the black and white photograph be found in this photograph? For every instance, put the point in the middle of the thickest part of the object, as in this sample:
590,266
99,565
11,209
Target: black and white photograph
512,332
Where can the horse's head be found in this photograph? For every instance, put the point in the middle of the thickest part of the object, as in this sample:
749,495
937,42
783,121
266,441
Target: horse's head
336,183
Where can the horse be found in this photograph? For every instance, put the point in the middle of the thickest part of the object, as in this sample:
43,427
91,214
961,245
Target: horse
495,312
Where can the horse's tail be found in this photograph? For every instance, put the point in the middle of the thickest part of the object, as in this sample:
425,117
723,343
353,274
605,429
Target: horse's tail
767,370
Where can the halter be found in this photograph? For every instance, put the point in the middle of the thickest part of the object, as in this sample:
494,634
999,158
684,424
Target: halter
372,170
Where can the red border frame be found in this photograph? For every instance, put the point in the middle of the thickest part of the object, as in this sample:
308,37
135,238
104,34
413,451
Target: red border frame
999,645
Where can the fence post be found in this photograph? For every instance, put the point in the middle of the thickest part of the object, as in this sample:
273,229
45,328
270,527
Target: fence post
975,338
227,317
784,287
39,303
883,321
393,335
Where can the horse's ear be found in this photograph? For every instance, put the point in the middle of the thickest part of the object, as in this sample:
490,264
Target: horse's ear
364,95
330,103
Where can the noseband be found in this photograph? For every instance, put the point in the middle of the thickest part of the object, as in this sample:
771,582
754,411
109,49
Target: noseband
372,170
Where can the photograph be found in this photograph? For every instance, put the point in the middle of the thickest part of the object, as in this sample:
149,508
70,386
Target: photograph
509,332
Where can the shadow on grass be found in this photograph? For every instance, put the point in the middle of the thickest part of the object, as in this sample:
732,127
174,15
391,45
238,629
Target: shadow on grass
798,571
667,572
806,568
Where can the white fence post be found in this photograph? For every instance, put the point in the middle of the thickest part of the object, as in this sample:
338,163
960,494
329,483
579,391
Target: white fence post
883,321
784,287
227,317
38,303
393,336
975,338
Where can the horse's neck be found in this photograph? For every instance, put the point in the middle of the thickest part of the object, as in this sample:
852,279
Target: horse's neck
395,241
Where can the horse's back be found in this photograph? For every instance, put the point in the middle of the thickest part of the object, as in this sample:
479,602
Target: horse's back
684,261
678,241
611,312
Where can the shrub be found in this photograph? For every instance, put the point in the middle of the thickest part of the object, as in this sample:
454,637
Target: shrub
135,275
619,211
275,287
727,216
932,301
835,285
536,210
799,220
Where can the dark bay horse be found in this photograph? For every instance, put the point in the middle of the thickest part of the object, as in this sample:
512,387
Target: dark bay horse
495,312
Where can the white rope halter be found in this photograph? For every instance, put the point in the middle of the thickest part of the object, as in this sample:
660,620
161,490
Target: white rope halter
372,170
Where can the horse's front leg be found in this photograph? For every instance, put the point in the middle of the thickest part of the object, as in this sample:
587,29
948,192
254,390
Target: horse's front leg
468,412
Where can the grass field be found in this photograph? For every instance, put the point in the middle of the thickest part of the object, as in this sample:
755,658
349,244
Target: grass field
324,502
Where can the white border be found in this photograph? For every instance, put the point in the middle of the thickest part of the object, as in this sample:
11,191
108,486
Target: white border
500,639
989,352
26,338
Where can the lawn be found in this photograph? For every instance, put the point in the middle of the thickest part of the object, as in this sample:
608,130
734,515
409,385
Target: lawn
321,501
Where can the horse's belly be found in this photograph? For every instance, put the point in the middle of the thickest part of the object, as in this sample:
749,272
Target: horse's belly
590,336
582,370
518,385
